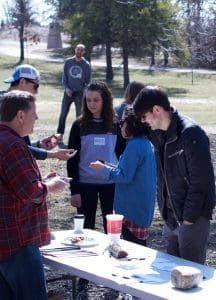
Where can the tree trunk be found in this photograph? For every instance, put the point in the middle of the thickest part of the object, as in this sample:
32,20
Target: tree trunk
125,66
152,55
166,58
108,42
21,37
109,69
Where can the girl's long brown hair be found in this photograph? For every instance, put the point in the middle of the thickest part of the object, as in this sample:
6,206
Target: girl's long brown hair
107,114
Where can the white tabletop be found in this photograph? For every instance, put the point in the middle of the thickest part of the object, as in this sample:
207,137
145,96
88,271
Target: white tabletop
145,273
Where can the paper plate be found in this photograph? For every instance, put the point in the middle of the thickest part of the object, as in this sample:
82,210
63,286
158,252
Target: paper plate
80,240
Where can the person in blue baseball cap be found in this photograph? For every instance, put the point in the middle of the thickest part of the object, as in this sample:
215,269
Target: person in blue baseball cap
25,77
24,71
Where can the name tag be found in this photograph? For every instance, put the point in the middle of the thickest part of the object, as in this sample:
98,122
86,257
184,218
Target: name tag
99,141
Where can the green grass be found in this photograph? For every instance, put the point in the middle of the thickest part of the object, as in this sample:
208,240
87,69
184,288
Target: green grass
196,100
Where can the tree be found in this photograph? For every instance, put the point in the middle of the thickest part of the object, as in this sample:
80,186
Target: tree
90,23
64,8
144,27
200,22
108,38
21,15
123,23
136,26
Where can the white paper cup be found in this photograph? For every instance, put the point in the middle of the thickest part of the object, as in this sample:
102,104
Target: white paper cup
79,223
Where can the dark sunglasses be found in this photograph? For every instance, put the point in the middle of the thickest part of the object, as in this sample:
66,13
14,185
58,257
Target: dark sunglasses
35,84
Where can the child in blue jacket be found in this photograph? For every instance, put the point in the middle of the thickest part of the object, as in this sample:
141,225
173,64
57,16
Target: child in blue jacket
135,179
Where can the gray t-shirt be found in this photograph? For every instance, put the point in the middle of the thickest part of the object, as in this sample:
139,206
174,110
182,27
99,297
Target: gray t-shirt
76,75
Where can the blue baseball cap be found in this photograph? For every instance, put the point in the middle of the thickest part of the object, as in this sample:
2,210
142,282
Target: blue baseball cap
24,71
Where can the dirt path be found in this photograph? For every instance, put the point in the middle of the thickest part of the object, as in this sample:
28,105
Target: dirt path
40,51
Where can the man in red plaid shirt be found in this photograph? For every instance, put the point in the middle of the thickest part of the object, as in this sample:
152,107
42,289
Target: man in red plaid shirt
23,210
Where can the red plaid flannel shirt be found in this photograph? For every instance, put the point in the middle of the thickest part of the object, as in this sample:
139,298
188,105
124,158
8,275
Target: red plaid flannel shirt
23,210
140,233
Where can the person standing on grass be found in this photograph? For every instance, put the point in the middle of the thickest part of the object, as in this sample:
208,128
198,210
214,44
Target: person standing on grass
23,210
27,78
76,75
135,179
132,89
186,184
95,135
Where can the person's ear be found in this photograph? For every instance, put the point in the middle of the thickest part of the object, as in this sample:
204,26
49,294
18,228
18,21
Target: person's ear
20,115
22,80
22,83
156,109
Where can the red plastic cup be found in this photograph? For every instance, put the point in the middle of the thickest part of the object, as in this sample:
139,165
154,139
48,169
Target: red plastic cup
114,226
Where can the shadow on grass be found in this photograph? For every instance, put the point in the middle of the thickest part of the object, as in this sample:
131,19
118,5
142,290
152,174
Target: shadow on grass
52,79
9,66
175,92
117,84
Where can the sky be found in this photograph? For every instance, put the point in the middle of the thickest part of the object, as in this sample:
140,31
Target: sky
40,6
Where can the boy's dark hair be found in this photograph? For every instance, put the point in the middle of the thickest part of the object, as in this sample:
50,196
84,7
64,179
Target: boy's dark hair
134,126
14,101
149,97
107,114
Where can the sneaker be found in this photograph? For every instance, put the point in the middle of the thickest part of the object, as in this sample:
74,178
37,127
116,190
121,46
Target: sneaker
82,284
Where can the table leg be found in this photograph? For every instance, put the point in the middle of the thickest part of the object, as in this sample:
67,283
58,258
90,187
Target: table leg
74,293
66,277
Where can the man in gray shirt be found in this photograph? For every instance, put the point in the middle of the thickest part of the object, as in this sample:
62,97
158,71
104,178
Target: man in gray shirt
76,75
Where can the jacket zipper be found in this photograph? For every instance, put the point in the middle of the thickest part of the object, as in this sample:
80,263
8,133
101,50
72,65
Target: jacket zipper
165,178
185,178
176,153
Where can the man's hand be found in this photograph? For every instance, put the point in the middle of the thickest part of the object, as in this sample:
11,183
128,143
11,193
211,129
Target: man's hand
55,184
50,175
76,200
68,92
187,222
49,142
62,154
96,165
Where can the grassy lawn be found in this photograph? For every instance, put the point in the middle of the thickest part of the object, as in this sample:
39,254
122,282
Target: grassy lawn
197,100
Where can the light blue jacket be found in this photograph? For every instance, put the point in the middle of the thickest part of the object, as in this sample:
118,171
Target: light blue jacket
135,178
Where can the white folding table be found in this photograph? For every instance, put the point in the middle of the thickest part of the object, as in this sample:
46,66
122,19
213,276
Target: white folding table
145,273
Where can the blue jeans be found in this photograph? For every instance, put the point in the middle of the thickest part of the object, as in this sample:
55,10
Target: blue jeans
22,276
65,107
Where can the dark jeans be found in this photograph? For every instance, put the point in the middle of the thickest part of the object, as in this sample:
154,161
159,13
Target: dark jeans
128,236
65,107
22,276
90,195
189,241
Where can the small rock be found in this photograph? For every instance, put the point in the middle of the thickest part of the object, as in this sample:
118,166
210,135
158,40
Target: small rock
184,277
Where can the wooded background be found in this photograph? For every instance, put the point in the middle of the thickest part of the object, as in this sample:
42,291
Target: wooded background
180,32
